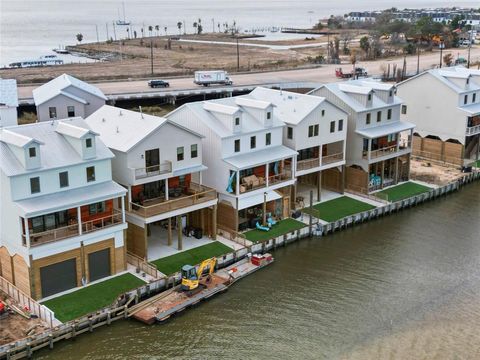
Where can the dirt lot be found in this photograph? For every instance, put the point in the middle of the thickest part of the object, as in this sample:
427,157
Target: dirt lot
433,173
131,58
15,327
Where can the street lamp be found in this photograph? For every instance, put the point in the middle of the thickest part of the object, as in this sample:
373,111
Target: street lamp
441,46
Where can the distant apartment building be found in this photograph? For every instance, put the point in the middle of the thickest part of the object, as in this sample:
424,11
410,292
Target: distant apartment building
65,97
247,162
444,105
317,130
377,153
8,102
62,217
160,163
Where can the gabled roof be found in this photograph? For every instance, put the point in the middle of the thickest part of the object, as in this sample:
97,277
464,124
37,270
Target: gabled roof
253,103
15,139
220,108
122,129
76,132
342,90
290,107
55,152
8,93
59,85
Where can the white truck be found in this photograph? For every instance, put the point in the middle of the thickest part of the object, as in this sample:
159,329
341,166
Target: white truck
207,78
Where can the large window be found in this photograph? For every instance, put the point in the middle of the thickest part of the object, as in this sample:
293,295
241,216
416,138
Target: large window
32,152
313,130
332,126
389,114
474,97
96,208
90,173
268,139
70,111
269,115
368,118
253,142
50,221
35,185
237,145
404,109
152,159
465,99
379,116
340,125
237,121
88,142
52,112
180,153
193,151
63,178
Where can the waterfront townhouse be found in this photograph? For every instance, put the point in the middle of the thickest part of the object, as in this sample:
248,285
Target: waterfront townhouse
8,102
444,105
248,165
378,142
62,217
317,130
160,164
65,97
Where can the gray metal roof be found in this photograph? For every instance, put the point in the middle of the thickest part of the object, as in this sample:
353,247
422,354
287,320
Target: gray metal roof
55,150
58,85
8,93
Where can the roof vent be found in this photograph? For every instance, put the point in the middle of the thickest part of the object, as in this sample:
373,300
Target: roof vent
118,130
141,113
120,112
103,120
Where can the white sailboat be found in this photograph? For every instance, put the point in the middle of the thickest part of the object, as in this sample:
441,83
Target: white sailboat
122,22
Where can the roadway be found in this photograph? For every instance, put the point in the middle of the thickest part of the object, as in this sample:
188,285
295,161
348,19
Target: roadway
323,74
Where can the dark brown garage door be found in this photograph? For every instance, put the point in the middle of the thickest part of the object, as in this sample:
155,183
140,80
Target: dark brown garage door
99,264
58,277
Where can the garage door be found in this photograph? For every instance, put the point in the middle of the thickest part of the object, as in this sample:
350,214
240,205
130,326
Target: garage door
99,264
58,277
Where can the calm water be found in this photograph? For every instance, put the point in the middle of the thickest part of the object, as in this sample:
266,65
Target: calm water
402,287
30,28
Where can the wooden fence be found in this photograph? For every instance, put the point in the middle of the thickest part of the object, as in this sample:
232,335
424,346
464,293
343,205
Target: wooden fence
143,265
24,300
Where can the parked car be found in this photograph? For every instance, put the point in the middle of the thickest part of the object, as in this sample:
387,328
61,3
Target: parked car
158,83
465,43
460,61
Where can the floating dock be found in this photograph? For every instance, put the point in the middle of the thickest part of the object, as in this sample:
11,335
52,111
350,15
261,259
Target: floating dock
168,303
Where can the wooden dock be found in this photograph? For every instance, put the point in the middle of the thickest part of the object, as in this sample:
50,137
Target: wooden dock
168,303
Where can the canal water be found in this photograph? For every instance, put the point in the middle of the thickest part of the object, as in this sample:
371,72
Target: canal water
406,286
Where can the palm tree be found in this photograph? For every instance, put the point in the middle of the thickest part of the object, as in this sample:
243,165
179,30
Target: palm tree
218,25
165,29
157,28
195,25
79,37
141,29
179,26
128,33
150,29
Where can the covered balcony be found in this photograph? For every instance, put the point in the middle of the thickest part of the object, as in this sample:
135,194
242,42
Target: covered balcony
162,196
473,125
387,141
71,213
151,171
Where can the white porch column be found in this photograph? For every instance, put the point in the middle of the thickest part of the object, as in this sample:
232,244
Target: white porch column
398,142
79,220
320,155
129,194
267,180
123,209
237,179
166,189
27,232
200,177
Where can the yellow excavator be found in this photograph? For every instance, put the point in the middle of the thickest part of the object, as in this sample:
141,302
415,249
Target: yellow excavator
191,275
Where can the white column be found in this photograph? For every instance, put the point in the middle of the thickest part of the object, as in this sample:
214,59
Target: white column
398,142
123,209
27,232
79,220
237,179
129,198
200,177
320,155
267,181
369,156
166,189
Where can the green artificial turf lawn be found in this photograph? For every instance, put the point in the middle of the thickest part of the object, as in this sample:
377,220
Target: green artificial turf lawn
402,191
171,264
338,208
91,298
281,228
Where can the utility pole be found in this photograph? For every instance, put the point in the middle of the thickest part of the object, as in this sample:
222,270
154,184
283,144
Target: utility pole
469,48
418,59
238,56
114,31
106,26
184,28
213,25
328,48
151,57
441,46
96,30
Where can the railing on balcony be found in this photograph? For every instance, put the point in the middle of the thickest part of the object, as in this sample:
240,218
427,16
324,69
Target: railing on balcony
308,164
284,176
332,158
102,223
51,235
473,130
142,173
380,152
195,194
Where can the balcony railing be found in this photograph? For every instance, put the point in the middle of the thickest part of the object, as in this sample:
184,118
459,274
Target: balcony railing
51,235
473,130
196,194
308,164
380,152
73,230
142,173
102,223
332,158
284,176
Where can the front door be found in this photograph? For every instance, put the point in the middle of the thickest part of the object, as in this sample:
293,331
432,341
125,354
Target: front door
152,160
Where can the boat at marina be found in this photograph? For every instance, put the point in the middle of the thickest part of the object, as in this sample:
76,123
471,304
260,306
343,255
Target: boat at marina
123,22
46,60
